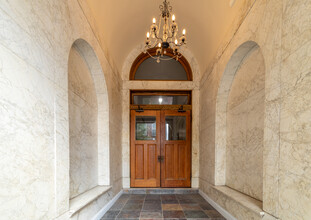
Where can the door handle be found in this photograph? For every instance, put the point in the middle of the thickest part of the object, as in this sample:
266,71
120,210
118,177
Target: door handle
160,158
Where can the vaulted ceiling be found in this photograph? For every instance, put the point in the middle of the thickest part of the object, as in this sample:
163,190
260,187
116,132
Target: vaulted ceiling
122,24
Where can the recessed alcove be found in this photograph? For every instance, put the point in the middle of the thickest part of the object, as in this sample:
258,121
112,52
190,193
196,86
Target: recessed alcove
88,127
83,126
245,126
240,111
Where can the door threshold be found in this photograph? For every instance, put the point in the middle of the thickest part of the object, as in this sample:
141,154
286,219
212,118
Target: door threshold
161,191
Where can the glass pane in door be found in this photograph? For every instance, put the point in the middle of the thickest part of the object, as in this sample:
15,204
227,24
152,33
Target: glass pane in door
175,128
146,128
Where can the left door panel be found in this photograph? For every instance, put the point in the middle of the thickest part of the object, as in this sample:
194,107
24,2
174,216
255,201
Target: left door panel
145,149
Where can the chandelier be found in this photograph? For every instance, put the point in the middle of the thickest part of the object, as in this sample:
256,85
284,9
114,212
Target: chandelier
165,37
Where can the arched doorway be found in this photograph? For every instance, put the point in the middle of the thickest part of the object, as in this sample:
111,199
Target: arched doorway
160,125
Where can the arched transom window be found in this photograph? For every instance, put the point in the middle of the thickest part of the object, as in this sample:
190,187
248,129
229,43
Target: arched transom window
147,68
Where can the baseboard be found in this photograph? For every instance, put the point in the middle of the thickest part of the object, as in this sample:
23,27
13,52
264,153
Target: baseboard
103,211
221,210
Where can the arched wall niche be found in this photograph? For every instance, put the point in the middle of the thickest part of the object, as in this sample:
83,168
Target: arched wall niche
169,53
88,93
223,109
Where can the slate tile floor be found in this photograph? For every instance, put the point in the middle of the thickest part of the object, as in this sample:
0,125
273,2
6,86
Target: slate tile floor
155,206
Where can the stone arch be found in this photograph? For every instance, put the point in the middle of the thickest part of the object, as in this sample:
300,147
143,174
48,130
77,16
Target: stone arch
130,59
226,82
89,58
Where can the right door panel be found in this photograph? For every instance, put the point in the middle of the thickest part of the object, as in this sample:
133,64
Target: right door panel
175,149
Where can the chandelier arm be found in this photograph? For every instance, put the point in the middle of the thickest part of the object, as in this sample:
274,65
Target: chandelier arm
171,37
158,38
179,55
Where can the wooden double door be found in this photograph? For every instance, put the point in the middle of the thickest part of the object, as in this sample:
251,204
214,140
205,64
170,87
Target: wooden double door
160,149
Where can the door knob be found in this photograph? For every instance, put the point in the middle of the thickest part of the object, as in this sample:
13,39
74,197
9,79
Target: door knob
160,158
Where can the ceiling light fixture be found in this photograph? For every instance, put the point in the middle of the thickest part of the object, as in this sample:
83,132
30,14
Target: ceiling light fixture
165,37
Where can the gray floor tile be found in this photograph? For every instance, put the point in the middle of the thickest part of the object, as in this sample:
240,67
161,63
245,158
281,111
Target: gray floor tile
173,214
134,207
186,201
111,214
206,206
213,214
153,197
117,207
170,201
128,214
151,215
152,207
195,214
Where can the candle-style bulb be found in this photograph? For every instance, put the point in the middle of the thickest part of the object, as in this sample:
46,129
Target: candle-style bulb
154,20
148,35
176,41
184,32
173,18
159,45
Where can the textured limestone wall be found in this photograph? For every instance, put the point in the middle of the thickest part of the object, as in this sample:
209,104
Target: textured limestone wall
245,126
35,42
281,29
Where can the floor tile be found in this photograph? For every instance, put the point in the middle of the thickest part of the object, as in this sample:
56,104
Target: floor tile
206,206
171,207
128,218
168,197
186,201
183,196
195,214
153,201
134,207
201,219
153,197
152,206
121,201
137,197
173,214
124,196
118,206
175,218
190,207
213,214
140,201
151,215
128,214
152,218
111,215
198,198
170,201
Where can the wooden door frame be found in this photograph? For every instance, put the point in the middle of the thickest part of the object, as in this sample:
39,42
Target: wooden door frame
161,107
